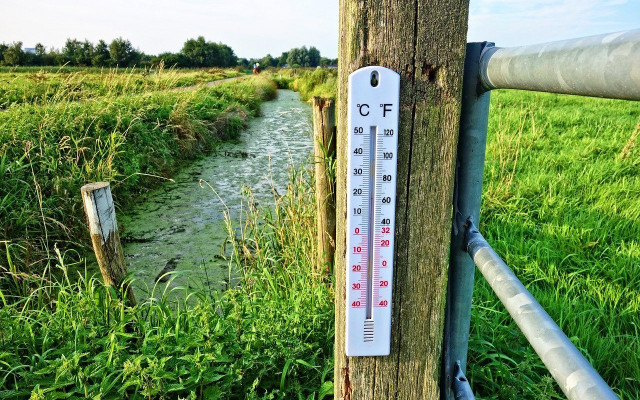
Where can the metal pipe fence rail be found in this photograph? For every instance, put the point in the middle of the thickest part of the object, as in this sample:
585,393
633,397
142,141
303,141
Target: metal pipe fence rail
574,374
601,66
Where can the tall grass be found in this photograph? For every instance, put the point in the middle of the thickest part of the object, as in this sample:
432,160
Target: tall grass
270,337
47,152
42,86
561,205
308,82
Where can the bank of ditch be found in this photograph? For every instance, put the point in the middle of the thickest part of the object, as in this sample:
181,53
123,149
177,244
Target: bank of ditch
309,82
47,152
42,85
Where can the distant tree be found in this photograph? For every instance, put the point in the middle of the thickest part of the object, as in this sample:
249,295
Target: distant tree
40,56
293,58
49,57
282,60
328,62
314,56
100,54
3,48
40,50
268,61
29,58
57,57
201,53
243,62
302,57
228,57
197,52
71,50
122,53
171,60
14,55
76,52
85,53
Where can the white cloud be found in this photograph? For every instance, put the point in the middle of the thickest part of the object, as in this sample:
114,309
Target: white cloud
519,22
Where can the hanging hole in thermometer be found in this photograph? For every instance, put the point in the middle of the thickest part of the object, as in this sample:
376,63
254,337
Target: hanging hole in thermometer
373,102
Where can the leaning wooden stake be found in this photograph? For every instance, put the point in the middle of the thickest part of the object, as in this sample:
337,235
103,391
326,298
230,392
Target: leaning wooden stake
324,134
101,216
424,41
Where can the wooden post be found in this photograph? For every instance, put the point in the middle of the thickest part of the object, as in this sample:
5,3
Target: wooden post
101,217
424,41
324,148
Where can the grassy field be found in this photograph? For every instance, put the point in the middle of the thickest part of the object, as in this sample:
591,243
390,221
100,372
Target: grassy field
220,346
561,205
48,151
308,82
269,338
51,85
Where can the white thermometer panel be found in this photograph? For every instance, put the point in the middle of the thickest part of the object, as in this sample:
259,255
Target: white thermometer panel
371,202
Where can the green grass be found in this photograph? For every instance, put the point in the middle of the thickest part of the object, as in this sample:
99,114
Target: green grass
48,151
50,85
269,338
308,82
561,205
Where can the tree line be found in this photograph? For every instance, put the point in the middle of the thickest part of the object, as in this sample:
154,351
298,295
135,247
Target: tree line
195,53
296,57
120,52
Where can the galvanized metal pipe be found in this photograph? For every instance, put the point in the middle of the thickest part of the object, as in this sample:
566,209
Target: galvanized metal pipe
576,377
602,66
461,388
474,119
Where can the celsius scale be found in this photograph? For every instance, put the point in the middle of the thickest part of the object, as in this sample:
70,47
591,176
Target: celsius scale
373,103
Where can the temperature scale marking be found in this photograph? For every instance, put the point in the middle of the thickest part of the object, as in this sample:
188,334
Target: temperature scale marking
371,182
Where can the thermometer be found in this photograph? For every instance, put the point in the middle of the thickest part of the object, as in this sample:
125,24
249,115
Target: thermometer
371,202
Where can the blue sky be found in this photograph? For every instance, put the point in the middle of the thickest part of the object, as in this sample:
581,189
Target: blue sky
253,28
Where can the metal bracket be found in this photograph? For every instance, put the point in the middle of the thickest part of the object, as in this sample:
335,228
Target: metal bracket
460,385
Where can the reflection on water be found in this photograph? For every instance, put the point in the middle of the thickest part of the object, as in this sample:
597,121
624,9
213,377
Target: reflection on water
181,225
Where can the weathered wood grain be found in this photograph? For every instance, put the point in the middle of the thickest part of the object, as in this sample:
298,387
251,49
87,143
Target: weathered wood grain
423,40
324,149
103,227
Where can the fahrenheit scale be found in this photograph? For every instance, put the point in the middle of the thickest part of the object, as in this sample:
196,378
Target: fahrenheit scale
371,183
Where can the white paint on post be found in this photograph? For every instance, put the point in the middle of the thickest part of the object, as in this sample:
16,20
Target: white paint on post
101,218
101,213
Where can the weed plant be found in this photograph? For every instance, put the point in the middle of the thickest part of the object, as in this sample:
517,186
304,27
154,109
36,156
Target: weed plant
308,82
48,151
561,205
270,337
45,86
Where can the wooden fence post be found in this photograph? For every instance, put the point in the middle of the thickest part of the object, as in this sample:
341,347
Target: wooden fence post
424,41
324,149
101,217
